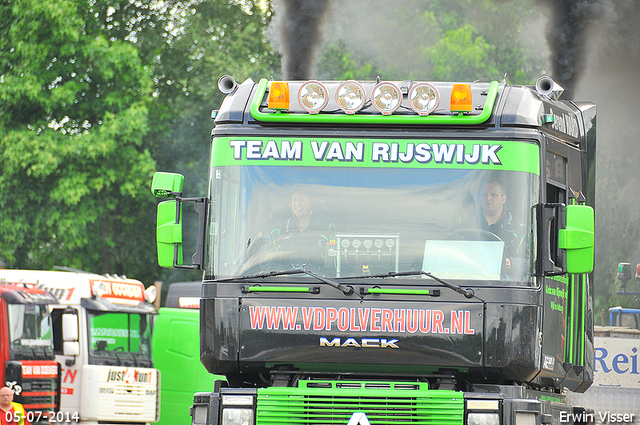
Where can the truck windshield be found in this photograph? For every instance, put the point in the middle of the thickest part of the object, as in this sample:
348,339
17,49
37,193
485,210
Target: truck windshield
119,338
29,326
464,224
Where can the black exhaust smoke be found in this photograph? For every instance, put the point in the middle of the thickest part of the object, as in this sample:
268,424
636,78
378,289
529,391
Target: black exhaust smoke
300,29
569,24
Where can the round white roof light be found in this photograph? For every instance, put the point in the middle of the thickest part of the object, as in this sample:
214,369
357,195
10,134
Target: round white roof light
386,97
313,97
351,96
424,98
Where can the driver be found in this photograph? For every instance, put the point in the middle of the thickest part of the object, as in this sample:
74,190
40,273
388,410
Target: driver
304,237
498,220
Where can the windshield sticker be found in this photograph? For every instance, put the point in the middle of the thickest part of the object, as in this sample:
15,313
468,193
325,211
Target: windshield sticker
460,154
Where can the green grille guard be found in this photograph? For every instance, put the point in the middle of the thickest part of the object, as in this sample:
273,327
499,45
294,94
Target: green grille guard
335,402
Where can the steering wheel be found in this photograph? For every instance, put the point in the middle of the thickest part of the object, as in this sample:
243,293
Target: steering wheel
471,234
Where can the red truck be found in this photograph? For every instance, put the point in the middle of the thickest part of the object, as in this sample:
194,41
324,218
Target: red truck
26,349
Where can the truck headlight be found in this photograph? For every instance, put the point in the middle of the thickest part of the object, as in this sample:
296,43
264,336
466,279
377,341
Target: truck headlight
483,419
237,416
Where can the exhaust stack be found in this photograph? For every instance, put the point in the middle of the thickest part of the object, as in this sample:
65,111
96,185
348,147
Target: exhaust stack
546,87
227,84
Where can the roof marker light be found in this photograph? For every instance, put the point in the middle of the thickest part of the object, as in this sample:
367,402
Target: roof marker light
386,97
424,98
313,97
279,95
461,99
351,97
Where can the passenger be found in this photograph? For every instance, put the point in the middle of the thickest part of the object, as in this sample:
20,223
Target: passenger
499,221
12,413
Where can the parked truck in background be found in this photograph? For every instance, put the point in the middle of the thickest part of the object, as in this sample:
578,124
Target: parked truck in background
26,348
175,344
101,332
615,393
347,276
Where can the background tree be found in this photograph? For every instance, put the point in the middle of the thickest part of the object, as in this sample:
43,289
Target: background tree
442,40
207,40
73,114
95,96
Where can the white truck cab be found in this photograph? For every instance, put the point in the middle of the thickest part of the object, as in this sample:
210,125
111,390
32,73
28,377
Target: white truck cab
101,332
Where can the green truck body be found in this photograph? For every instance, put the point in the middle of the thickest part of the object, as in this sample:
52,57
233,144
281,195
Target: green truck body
175,346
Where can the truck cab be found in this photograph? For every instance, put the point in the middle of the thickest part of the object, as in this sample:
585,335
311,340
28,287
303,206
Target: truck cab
382,251
29,364
101,333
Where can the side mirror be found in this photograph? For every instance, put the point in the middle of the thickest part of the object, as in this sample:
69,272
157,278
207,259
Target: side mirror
169,222
69,327
70,344
577,238
169,233
70,348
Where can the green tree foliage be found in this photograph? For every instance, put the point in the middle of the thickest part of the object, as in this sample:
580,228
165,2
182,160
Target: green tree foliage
95,96
444,40
73,115
204,41
482,40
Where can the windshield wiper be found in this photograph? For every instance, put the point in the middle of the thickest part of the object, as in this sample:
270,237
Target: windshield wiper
346,289
468,292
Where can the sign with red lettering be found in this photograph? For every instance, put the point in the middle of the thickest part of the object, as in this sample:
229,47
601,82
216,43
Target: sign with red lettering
118,291
361,319
39,369
412,333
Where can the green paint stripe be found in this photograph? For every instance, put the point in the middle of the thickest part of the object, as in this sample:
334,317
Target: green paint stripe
471,154
399,291
568,340
583,317
277,289
371,119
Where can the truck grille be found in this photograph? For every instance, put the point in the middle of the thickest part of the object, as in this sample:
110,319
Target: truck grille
37,385
383,403
39,394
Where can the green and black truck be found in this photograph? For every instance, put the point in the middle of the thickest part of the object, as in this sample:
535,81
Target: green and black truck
392,252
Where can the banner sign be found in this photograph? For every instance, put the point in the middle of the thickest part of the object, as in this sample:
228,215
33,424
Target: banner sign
405,153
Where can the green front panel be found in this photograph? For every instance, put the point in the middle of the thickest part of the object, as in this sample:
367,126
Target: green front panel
382,402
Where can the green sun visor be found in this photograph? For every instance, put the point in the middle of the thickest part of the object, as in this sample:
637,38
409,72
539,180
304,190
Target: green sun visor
167,185
577,238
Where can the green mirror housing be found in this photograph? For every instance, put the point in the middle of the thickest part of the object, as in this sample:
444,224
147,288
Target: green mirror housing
169,234
167,185
577,238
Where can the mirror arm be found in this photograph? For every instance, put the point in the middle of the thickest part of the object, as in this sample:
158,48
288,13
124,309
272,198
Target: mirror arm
557,265
201,205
